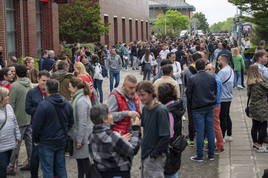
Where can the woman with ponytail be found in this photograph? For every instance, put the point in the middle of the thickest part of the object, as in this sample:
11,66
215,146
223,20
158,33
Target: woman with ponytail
82,128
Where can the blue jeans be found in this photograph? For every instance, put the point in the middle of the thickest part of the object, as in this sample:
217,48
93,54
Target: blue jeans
114,74
98,87
34,162
131,60
48,156
237,78
204,121
4,161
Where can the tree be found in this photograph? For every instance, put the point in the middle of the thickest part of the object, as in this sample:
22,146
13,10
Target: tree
174,22
202,23
222,26
81,21
256,12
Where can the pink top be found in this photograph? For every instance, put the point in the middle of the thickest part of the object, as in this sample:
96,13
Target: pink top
171,121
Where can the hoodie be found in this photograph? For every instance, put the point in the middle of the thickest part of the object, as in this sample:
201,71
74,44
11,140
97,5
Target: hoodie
64,78
17,97
46,124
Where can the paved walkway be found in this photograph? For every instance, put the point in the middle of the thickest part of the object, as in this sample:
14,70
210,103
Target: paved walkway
239,160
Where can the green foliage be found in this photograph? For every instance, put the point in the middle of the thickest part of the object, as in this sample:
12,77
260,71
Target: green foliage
36,62
202,23
257,13
81,21
222,26
174,20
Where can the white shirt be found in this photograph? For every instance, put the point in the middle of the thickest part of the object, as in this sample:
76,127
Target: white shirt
150,61
177,72
163,54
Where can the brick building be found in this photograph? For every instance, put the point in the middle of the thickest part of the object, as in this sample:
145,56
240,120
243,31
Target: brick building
129,20
161,6
27,26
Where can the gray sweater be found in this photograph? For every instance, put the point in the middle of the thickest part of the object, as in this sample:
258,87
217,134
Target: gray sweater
114,62
10,132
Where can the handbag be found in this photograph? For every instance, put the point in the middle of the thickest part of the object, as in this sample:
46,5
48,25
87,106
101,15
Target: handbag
247,108
179,144
69,141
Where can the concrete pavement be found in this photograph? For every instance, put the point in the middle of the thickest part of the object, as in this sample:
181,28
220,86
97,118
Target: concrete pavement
240,160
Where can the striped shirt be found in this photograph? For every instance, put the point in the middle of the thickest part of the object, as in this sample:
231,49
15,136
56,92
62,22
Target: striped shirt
10,132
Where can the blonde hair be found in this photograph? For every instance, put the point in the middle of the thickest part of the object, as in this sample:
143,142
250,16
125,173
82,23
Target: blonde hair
253,75
236,52
81,68
3,93
27,60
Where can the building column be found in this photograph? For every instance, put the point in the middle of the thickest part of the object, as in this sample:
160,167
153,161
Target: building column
49,26
29,26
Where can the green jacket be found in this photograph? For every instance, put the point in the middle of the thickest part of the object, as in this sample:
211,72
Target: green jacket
239,63
17,97
258,105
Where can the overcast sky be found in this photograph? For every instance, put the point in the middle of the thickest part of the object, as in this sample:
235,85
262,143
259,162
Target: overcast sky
215,10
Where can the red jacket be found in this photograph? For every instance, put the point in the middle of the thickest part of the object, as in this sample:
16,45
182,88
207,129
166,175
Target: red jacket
122,126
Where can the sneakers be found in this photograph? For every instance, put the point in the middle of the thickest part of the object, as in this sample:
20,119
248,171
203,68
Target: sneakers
211,159
260,149
183,118
190,143
218,151
228,138
240,87
205,142
196,159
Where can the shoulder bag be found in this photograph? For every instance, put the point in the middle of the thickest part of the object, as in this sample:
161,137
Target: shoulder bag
69,140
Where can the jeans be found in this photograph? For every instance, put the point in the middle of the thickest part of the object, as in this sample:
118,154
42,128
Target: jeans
147,75
125,65
131,60
5,157
114,74
48,156
34,162
237,78
217,128
98,87
226,122
204,121
26,135
258,131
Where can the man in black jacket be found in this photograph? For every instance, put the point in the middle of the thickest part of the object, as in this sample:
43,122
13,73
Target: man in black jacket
202,99
33,98
52,120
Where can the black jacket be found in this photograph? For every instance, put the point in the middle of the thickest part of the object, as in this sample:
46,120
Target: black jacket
201,91
33,98
173,162
46,124
134,50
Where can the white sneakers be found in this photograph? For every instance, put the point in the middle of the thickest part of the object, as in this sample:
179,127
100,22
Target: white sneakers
228,138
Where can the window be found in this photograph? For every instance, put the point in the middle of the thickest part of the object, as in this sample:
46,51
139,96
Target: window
137,30
115,30
130,30
142,31
38,28
124,30
106,36
10,28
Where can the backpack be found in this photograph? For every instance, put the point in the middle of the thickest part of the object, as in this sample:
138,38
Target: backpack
104,71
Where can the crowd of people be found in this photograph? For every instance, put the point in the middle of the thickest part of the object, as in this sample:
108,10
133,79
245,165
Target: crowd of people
57,109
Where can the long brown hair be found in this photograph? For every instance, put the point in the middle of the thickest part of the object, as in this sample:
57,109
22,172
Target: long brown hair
147,54
79,83
253,75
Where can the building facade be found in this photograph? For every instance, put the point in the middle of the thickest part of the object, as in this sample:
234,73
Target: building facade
27,26
161,6
129,20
